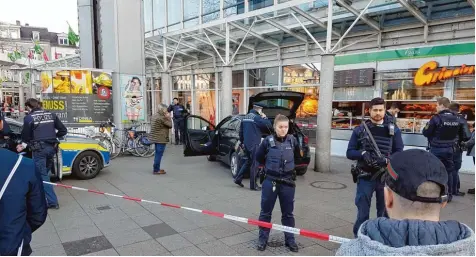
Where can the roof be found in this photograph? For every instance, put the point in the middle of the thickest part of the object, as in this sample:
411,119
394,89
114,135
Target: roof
26,32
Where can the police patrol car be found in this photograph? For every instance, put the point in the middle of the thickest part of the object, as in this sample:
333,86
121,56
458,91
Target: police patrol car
79,156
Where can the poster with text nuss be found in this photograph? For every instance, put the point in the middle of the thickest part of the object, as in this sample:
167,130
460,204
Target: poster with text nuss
132,98
78,97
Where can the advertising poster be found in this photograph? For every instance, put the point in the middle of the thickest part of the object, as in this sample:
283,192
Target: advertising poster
132,98
82,98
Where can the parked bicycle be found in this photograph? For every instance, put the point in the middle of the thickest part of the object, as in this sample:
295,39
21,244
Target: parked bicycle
132,141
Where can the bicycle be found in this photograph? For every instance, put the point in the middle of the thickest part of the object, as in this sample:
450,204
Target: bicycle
132,141
105,135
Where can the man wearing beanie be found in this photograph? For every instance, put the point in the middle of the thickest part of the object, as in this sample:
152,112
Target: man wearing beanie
415,192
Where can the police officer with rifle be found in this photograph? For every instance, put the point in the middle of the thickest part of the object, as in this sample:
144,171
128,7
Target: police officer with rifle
39,134
371,144
277,153
442,132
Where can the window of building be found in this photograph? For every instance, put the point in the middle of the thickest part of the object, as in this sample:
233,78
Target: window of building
63,41
464,88
36,35
400,86
14,34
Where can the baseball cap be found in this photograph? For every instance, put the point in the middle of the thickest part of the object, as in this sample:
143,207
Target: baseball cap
409,169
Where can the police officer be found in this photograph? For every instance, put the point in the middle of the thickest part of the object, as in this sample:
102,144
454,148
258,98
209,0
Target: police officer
4,129
39,134
370,163
277,153
22,203
178,117
464,135
391,114
253,125
442,133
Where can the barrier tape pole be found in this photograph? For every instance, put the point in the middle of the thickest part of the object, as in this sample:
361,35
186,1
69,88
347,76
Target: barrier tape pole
297,231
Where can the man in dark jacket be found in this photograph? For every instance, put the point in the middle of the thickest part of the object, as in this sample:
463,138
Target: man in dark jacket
22,203
178,117
415,193
370,163
464,135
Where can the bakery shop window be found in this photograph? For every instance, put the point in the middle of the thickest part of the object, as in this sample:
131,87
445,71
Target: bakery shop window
464,88
400,86
295,75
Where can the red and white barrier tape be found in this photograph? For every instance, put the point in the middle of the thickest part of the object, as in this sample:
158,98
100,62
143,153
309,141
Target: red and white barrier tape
297,231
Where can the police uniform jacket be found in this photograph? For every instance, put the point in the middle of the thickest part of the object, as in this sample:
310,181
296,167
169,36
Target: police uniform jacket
41,126
464,134
277,155
178,111
251,129
387,144
442,130
23,205
5,131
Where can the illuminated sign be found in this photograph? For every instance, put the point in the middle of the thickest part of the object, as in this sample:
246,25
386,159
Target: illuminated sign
427,73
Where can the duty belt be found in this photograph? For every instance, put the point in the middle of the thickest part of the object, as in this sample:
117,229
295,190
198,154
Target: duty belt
285,181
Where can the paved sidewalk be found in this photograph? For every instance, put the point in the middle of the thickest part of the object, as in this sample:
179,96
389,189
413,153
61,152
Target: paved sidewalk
90,224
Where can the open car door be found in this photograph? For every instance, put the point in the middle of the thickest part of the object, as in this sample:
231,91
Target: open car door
199,137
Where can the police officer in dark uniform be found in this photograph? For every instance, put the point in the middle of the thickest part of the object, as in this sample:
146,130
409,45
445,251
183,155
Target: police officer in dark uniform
39,133
442,132
4,129
370,163
253,125
464,135
178,117
277,153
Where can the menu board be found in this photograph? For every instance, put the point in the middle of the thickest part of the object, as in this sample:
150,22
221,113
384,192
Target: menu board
78,97
352,78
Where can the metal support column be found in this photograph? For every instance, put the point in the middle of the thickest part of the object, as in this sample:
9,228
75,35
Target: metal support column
322,161
166,88
226,100
245,91
217,98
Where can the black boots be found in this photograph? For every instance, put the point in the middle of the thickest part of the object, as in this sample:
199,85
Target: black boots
293,247
262,246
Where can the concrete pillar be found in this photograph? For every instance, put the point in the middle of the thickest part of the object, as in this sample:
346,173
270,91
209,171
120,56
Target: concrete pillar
21,97
1,94
226,99
86,32
166,80
322,161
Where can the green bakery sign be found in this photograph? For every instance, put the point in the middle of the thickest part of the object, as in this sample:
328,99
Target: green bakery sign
409,53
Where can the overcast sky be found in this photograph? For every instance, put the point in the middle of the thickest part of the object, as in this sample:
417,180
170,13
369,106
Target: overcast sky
51,14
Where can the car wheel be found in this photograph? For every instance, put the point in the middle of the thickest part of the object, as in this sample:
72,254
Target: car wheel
301,171
87,165
211,158
234,164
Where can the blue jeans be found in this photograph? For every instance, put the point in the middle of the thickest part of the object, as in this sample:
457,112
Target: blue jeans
43,160
446,157
363,199
249,163
159,152
268,200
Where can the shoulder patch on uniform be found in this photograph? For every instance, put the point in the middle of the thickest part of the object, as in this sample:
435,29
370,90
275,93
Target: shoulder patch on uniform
427,125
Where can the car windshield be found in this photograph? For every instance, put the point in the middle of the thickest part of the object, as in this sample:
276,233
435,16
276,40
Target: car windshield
276,106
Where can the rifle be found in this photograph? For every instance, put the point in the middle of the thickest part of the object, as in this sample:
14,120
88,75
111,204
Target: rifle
375,148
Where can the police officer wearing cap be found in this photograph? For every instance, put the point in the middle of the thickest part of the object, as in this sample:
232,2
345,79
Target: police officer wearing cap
179,112
39,133
371,145
464,135
277,153
442,132
253,125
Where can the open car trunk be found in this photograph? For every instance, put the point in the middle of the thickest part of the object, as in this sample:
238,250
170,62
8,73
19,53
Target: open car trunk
278,102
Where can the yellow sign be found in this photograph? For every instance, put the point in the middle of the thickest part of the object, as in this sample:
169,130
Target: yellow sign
427,73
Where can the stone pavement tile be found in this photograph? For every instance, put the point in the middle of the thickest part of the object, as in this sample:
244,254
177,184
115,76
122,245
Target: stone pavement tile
345,231
67,211
51,250
189,251
134,210
88,245
66,222
465,216
108,252
146,248
159,230
217,248
348,215
197,236
115,226
78,233
174,242
146,220
315,250
308,225
202,220
110,215
44,239
182,224
327,221
238,239
128,237
224,229
47,227
249,249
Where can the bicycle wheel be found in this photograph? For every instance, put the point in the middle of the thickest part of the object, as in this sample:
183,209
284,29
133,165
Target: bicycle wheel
117,149
132,146
151,151
141,149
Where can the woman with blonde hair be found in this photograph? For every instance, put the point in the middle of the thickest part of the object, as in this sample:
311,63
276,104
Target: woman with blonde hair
160,125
